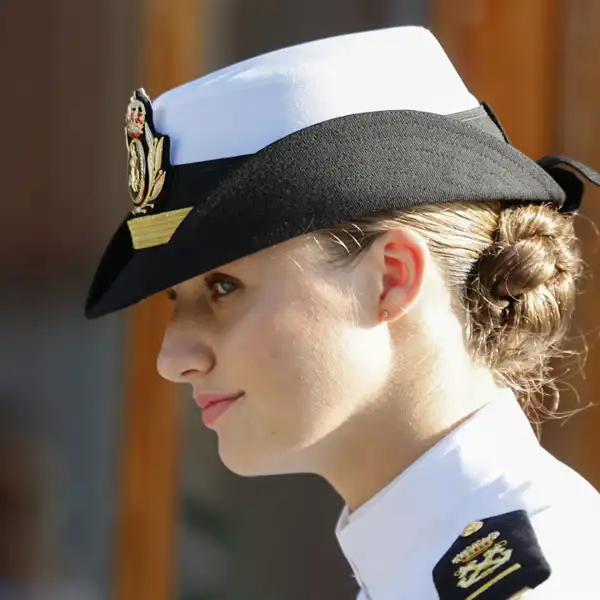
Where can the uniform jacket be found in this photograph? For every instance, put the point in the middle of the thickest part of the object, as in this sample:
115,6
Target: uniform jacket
491,465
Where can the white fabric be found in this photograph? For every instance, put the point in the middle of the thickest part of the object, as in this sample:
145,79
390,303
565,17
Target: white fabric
491,465
243,108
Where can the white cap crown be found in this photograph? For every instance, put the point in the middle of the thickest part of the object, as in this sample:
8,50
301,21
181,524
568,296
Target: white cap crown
241,109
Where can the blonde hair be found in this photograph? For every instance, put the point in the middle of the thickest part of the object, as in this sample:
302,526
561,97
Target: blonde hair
512,272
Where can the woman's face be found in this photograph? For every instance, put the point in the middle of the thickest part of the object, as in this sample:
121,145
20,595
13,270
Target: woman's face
299,338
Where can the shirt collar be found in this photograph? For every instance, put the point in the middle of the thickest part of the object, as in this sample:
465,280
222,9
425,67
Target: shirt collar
377,536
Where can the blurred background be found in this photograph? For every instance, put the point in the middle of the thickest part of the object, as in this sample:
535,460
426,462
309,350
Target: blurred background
110,488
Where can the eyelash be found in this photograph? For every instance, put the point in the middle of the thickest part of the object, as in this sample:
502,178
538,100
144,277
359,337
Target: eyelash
211,282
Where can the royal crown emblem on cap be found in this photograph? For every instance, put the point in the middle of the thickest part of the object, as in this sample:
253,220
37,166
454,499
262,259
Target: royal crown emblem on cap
146,172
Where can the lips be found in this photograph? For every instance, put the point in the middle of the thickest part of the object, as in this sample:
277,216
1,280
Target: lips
206,400
214,405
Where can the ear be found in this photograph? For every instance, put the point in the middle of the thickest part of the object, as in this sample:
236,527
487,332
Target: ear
400,256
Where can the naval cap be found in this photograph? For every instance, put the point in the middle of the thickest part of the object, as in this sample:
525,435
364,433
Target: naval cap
242,108
297,140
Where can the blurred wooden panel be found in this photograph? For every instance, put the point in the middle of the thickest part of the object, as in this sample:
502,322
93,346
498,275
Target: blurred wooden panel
578,441
62,81
536,63
148,518
507,54
258,27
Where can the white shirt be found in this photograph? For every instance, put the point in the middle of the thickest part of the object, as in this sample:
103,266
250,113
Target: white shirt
490,465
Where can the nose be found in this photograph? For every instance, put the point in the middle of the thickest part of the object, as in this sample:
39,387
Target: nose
183,356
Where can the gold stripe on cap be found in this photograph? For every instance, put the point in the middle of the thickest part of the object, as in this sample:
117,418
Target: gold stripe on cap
156,230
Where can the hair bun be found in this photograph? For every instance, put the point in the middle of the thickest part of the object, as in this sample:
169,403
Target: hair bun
533,248
522,294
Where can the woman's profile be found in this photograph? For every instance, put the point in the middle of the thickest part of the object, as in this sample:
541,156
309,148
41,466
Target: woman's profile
370,284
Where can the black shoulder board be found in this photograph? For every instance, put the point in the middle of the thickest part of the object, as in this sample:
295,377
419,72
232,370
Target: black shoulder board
497,558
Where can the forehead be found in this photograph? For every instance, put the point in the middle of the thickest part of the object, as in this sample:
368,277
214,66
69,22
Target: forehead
301,249
291,255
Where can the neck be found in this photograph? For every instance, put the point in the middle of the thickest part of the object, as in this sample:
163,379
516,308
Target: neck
398,431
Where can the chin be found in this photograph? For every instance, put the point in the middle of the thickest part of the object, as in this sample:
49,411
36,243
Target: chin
250,464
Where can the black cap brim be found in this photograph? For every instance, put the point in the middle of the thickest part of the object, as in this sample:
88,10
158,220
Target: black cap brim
326,174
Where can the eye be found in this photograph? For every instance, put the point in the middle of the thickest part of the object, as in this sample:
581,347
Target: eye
171,295
221,285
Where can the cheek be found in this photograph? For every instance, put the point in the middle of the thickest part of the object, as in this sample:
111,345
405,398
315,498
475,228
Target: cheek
305,366
271,349
306,369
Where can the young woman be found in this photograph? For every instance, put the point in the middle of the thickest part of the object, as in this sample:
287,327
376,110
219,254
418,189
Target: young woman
369,283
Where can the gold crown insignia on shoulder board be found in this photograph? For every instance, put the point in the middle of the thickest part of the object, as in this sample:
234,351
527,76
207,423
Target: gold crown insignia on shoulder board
504,561
475,549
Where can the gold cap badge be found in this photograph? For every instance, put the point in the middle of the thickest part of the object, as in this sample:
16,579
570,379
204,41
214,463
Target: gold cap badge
146,173
147,161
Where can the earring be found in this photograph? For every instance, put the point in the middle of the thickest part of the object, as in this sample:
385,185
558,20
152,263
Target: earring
385,315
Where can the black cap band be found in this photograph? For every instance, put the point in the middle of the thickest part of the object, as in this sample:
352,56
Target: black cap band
325,174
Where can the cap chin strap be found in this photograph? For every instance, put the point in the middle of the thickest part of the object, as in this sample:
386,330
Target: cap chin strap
570,182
